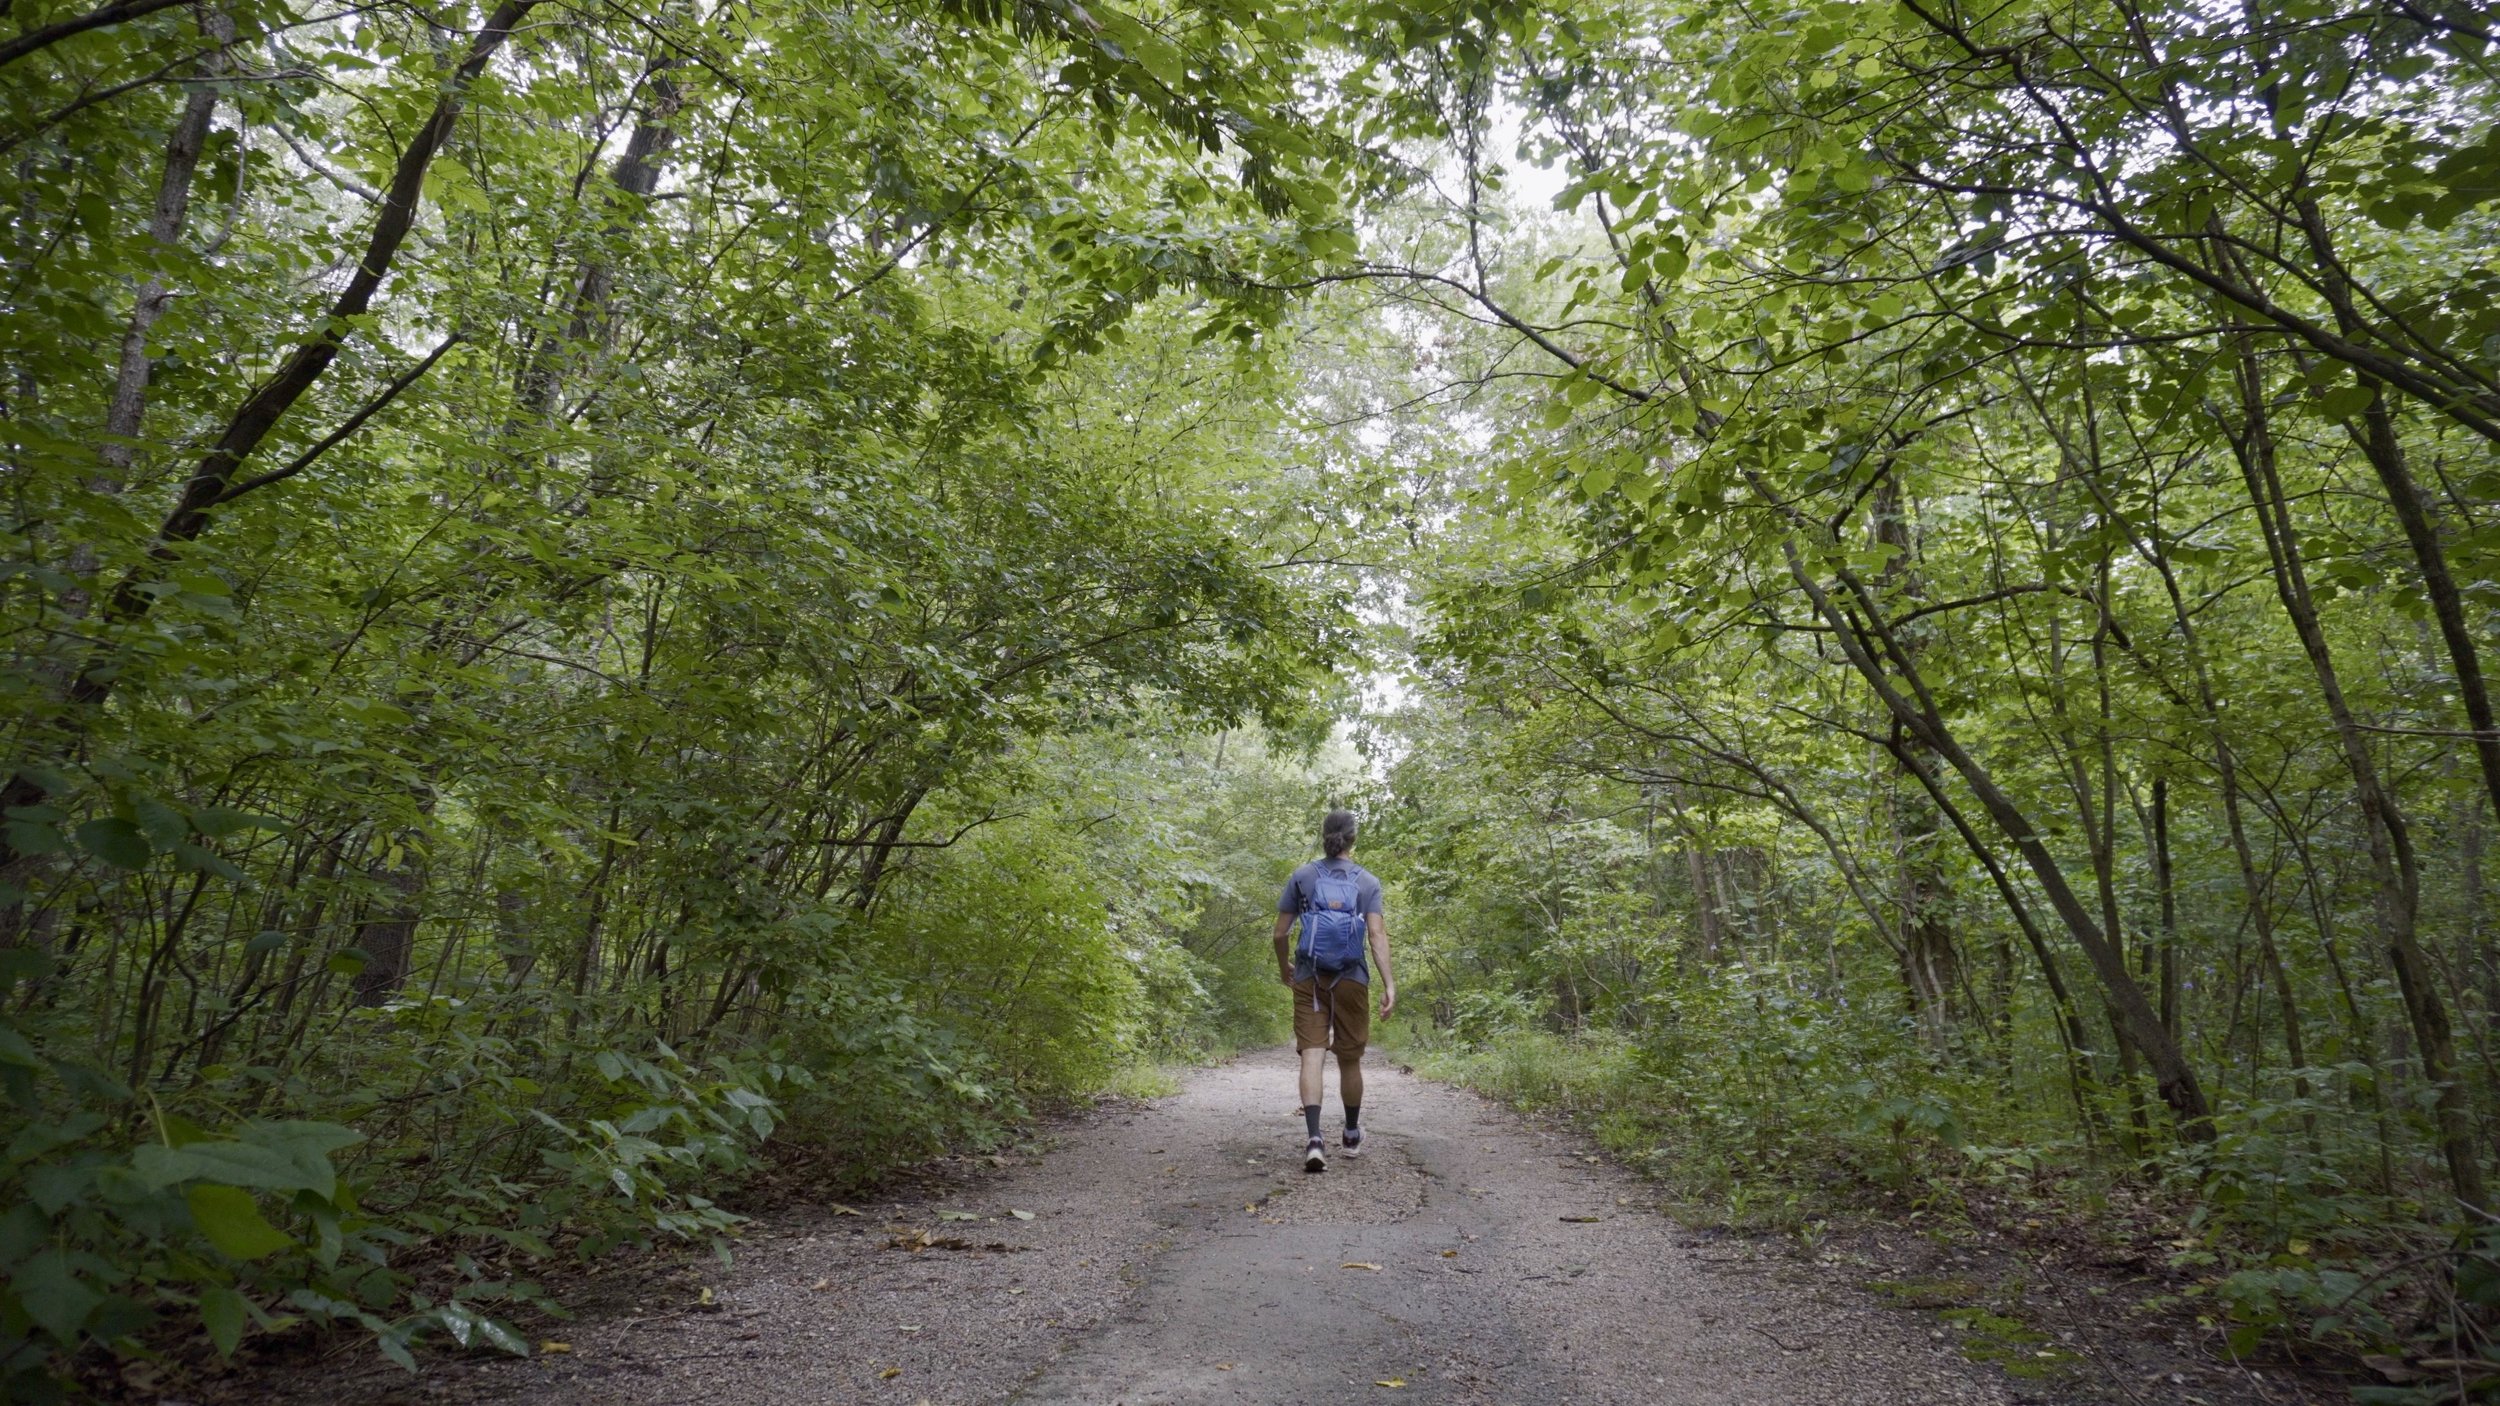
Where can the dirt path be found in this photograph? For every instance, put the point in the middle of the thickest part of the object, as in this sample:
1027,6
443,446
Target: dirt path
1177,1253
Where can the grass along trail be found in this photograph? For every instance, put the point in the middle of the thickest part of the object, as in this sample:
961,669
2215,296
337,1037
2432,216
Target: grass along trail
1176,1252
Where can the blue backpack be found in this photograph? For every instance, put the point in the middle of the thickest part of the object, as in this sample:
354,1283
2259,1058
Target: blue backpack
1332,921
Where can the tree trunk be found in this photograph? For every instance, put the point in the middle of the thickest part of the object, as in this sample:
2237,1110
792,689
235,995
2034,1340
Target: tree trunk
2070,1027
1860,642
259,414
390,940
2394,869
127,410
1931,963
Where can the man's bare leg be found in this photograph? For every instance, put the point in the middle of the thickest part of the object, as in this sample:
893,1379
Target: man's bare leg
1313,1061
1350,1091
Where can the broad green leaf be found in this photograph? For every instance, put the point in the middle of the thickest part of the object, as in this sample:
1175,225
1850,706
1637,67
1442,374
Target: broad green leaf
116,841
233,1222
53,1294
223,1315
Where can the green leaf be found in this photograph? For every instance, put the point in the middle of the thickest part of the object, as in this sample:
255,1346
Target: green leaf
502,1336
16,1050
222,1312
2344,402
53,1295
232,1221
115,841
163,825
25,964
199,859
35,837
218,822
267,1157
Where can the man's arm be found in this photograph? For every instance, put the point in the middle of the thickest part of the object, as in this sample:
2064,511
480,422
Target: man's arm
1284,948
1379,927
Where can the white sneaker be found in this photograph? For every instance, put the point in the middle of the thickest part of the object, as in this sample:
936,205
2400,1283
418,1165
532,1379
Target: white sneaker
1315,1156
1353,1142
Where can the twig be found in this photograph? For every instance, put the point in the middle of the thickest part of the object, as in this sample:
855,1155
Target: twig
1774,1337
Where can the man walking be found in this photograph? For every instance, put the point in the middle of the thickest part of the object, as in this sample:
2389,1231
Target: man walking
1335,903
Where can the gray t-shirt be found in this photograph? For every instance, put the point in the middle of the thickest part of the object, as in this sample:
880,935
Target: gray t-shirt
1297,896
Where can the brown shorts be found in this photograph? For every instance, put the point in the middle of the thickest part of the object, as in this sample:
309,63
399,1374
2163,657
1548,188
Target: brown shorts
1353,1002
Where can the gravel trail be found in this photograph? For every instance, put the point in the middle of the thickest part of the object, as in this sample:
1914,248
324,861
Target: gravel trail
1178,1253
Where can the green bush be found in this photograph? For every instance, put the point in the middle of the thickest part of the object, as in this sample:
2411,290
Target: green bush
400,1207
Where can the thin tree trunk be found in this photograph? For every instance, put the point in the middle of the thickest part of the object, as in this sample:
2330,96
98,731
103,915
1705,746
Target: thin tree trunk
1860,641
389,941
1931,963
2070,1027
126,411
2394,867
2376,437
2165,881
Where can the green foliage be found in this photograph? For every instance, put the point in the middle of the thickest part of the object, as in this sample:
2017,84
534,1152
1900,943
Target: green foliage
790,579
1973,590
127,1216
560,738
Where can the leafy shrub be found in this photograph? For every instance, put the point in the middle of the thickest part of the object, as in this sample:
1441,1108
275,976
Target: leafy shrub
892,1086
1009,943
400,1211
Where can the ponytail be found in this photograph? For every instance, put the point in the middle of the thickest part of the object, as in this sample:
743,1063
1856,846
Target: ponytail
1336,833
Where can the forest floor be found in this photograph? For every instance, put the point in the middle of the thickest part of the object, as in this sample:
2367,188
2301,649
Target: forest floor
1176,1252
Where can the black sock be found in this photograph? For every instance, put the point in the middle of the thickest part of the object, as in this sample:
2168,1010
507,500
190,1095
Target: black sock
1310,1118
1353,1114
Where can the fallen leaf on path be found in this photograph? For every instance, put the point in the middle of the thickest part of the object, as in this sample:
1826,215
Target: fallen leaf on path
1584,1220
890,1373
1223,1366
555,1347
707,1301
839,1209
908,1327
1021,1215
957,1215
1449,1254
820,1286
1390,1382
1360,1264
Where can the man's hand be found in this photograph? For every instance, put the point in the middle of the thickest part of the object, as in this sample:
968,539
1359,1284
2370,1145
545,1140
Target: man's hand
1388,1000
1285,975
